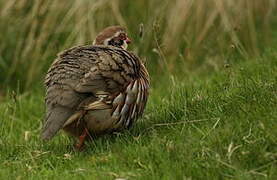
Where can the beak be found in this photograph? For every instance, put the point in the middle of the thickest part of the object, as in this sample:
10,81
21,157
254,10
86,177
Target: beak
127,40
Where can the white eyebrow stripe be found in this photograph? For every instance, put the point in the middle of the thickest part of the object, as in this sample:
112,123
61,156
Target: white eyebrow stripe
106,41
116,34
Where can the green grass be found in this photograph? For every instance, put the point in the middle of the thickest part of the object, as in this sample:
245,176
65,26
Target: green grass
203,125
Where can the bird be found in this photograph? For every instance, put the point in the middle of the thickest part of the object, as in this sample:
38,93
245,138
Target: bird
95,89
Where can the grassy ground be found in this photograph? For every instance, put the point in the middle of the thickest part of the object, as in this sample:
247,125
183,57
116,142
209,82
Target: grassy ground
212,108
208,125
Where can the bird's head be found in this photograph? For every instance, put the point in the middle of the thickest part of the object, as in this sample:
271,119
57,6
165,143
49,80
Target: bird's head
113,36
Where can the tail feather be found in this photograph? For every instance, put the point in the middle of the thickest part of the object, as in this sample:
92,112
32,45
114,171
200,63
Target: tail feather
54,121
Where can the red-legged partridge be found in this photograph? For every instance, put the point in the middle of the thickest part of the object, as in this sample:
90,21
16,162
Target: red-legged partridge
95,89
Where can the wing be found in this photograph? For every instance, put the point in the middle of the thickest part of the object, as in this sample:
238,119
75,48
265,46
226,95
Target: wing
112,71
120,78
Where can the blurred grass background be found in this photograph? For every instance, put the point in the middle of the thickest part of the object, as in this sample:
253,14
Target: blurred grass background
179,35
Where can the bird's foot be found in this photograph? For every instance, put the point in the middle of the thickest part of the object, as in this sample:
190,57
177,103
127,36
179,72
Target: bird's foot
82,139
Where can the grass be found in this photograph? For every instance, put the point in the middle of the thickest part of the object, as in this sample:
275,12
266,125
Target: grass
212,108
204,125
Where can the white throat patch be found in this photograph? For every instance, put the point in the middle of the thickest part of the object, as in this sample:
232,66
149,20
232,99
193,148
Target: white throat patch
125,45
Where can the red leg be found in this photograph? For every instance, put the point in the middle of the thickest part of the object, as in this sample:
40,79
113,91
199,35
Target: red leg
82,138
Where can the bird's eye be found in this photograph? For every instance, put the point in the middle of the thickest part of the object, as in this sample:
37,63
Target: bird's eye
122,36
